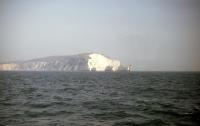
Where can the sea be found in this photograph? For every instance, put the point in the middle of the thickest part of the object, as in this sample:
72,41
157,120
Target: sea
99,99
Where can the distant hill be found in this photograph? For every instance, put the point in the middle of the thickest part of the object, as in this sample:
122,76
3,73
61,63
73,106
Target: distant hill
80,62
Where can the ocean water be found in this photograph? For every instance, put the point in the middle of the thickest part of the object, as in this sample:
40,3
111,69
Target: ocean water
99,99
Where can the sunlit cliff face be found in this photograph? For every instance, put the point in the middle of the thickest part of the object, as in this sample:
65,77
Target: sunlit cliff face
100,63
10,66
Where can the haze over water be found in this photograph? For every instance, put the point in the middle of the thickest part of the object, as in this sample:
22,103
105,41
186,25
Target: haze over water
153,35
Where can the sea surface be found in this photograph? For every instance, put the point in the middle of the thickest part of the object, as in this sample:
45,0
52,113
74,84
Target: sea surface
99,99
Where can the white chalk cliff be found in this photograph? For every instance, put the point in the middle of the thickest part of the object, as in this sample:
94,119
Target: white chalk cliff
100,62
80,62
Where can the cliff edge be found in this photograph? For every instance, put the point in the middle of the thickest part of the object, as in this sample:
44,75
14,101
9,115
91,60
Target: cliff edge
79,62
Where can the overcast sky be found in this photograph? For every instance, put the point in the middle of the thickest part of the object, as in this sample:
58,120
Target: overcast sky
150,34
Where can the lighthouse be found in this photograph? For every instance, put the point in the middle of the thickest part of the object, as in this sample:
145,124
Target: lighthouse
130,68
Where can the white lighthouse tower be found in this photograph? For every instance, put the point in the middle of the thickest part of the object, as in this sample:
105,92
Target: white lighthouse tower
130,68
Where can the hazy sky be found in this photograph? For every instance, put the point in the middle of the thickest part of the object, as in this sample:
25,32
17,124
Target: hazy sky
150,34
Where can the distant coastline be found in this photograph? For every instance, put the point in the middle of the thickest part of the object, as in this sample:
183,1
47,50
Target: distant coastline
91,62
